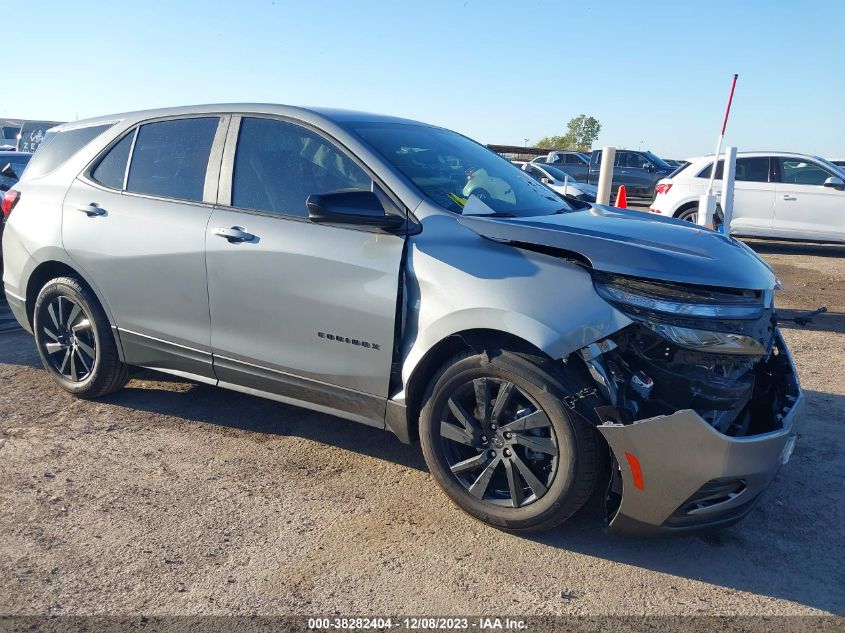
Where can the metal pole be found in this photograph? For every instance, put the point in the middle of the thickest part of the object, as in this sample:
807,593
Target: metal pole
728,188
721,136
707,202
608,157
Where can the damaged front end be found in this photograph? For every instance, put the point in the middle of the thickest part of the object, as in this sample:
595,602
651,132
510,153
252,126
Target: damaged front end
702,395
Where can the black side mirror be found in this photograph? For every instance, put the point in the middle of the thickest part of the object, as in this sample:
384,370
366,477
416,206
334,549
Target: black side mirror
360,208
835,182
8,172
648,167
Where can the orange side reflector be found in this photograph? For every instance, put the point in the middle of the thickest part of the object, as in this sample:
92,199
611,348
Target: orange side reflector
636,471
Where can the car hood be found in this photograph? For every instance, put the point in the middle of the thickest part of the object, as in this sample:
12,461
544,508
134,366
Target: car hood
636,244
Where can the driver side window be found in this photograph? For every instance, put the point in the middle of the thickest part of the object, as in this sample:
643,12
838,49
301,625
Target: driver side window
279,164
797,171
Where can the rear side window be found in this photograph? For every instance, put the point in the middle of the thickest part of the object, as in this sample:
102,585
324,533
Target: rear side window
278,165
57,147
111,170
754,169
171,157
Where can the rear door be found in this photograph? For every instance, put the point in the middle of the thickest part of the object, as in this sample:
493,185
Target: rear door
754,194
804,207
135,222
301,310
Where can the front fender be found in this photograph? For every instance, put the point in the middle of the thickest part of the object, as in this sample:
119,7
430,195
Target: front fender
458,281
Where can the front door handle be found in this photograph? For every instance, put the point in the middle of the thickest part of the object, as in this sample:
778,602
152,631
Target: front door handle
91,210
786,196
234,234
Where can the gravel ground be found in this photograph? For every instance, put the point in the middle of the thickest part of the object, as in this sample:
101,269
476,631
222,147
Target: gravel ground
176,498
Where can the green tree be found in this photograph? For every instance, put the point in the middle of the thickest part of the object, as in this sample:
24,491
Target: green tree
582,132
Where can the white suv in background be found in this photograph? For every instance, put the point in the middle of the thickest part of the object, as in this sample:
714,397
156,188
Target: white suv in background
777,194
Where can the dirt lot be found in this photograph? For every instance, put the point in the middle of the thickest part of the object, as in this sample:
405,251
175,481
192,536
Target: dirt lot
176,498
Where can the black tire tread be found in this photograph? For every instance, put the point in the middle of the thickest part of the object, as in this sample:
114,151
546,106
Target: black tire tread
111,374
542,370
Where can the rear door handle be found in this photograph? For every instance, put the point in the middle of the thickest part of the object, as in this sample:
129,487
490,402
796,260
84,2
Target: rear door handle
234,234
788,197
91,210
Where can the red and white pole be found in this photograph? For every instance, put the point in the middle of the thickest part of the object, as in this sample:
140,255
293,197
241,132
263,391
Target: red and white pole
707,202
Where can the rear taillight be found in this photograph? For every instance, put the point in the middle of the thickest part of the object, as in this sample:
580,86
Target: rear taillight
663,187
10,199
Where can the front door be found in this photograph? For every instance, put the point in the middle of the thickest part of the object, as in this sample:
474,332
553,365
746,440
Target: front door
804,207
301,310
633,172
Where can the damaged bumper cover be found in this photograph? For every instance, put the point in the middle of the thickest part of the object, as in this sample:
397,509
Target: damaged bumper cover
679,473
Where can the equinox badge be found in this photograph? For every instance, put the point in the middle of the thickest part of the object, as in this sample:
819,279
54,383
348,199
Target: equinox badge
350,341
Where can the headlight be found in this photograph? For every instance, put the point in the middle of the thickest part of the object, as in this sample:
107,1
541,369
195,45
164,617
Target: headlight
631,294
690,316
708,341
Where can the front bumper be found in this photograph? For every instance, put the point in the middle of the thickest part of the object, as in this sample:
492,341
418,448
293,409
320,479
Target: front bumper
680,474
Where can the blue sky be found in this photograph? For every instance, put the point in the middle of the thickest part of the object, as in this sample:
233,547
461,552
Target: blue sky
654,73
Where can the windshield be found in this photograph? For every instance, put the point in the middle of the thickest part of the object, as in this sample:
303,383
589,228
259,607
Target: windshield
459,174
837,169
657,160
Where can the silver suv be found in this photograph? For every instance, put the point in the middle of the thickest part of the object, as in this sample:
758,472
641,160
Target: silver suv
334,260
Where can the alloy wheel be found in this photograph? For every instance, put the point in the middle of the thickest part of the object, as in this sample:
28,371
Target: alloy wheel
498,443
68,339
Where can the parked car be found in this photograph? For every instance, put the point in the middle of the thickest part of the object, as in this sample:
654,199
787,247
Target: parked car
328,259
776,195
638,171
9,130
560,181
33,133
576,164
12,165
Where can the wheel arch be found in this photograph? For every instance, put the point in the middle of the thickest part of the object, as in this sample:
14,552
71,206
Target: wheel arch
51,269
477,340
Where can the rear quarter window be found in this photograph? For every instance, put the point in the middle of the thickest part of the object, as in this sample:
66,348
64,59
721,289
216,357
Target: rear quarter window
111,170
58,147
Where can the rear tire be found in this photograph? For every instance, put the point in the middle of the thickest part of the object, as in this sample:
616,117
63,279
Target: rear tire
690,214
75,341
524,464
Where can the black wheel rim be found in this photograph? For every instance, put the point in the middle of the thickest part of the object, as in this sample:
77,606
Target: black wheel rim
67,338
499,443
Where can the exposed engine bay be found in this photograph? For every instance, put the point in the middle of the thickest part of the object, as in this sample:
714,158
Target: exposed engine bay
642,375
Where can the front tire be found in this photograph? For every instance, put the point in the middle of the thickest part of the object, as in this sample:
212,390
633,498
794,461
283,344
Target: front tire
499,440
75,341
